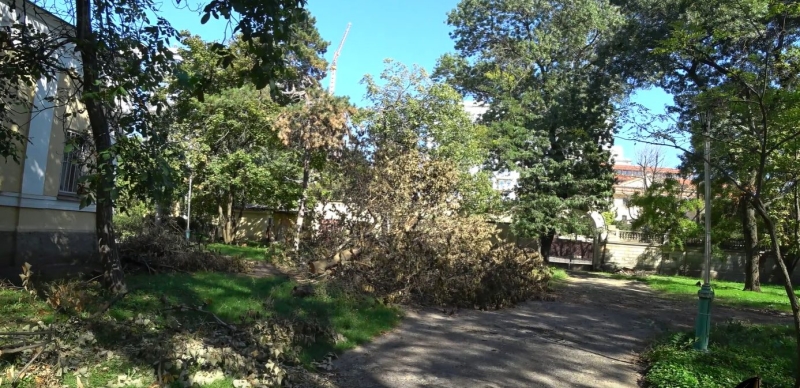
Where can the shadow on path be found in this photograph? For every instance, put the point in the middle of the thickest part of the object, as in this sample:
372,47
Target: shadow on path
588,337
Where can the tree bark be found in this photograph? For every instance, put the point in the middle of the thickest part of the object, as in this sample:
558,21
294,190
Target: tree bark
752,280
545,242
787,279
319,266
113,276
301,208
226,219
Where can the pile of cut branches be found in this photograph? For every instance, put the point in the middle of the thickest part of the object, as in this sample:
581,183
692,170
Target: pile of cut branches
405,239
447,262
165,247
169,347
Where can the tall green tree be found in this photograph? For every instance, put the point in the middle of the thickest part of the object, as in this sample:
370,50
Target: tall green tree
315,129
538,65
741,166
739,61
664,209
235,156
202,82
412,111
116,93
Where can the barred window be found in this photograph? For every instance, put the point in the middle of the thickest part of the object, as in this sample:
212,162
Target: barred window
72,163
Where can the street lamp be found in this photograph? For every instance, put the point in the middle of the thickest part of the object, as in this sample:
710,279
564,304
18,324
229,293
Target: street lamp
189,207
189,196
706,293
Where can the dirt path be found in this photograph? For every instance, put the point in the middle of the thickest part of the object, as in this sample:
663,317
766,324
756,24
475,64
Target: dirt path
589,336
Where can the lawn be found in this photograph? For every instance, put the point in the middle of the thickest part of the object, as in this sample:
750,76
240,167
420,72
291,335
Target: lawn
557,276
249,252
736,352
772,297
16,308
230,297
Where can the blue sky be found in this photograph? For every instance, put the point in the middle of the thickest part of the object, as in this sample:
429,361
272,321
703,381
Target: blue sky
408,31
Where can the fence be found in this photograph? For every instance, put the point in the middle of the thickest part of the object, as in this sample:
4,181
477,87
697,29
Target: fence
637,237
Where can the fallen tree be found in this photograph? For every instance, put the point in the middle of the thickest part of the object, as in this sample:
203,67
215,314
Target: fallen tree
403,238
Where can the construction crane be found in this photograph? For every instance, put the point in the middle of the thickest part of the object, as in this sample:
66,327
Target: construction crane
332,81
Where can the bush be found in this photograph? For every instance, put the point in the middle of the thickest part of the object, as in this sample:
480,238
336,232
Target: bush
130,221
736,352
166,247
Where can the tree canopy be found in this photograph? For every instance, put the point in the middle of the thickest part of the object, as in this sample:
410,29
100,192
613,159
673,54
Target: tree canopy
540,67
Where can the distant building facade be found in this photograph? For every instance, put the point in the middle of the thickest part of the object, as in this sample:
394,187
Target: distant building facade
631,179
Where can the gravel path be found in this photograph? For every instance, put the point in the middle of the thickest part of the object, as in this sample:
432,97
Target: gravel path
589,336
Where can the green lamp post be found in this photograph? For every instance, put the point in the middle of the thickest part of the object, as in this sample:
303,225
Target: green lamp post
706,293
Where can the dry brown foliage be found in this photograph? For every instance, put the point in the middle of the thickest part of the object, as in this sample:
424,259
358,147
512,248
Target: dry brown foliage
405,240
320,124
165,248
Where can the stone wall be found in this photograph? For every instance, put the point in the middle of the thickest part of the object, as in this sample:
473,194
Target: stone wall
725,265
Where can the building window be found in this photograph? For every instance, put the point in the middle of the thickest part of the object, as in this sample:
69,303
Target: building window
504,184
72,163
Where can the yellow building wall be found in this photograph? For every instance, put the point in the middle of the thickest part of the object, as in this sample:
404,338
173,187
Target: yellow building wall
285,220
48,220
284,226
69,115
40,232
8,218
11,171
52,178
252,225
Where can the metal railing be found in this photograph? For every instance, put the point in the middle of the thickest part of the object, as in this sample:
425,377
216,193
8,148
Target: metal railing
70,169
630,236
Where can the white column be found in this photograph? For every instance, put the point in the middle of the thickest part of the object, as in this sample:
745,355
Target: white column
40,125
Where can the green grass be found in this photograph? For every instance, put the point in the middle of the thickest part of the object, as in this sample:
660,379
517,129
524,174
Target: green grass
736,352
248,252
771,297
557,276
357,318
17,309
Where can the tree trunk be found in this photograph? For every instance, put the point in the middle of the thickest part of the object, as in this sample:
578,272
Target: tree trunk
787,279
545,242
319,266
301,208
752,280
162,212
226,219
235,228
229,236
221,221
113,276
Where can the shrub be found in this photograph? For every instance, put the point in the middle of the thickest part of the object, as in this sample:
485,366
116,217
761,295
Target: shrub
131,220
736,352
166,247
